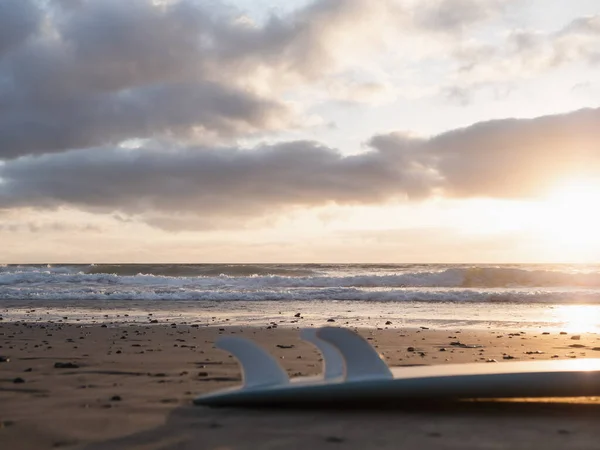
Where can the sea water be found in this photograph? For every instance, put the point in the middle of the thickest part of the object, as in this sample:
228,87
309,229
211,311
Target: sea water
479,296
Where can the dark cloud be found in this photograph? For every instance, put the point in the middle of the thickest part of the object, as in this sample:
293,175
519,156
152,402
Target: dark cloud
182,110
99,72
19,19
511,158
104,71
208,182
107,71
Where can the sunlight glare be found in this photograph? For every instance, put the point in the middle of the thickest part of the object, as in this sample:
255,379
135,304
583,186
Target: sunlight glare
578,318
569,218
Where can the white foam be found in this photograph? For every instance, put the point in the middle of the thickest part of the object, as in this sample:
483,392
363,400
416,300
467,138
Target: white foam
41,292
449,284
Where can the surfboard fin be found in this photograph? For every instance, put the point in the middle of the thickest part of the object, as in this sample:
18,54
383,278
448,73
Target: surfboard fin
361,361
259,368
333,362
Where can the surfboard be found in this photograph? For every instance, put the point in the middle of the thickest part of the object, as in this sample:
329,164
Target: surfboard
353,372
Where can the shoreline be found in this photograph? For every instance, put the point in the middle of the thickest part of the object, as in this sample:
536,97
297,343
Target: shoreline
121,384
448,316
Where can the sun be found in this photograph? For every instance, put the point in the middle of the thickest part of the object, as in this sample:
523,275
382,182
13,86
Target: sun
569,218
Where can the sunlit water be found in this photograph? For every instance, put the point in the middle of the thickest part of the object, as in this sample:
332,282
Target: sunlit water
565,297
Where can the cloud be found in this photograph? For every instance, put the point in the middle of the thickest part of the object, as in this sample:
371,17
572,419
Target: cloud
167,187
454,16
524,54
208,183
185,80
89,73
104,71
508,158
19,19
185,111
48,227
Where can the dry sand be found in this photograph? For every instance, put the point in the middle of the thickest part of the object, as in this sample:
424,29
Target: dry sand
131,386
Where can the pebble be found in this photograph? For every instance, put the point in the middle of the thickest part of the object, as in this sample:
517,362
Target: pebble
576,337
67,365
330,320
18,380
410,349
461,345
297,315
4,359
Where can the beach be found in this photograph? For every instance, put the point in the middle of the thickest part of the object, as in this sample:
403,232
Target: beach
131,385
425,174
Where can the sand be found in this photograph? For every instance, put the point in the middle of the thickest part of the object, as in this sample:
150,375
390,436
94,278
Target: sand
131,386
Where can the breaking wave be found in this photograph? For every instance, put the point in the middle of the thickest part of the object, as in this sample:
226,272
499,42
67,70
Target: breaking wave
331,294
251,282
281,276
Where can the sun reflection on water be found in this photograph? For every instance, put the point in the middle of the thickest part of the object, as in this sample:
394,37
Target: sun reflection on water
578,318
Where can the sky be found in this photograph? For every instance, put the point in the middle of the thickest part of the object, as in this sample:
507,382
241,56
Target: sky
299,131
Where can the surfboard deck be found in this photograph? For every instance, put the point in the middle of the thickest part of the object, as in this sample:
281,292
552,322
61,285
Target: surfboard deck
354,372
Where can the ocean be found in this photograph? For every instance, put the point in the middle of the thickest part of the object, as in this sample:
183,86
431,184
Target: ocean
440,295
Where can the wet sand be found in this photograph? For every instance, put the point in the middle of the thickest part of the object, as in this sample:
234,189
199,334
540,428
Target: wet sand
130,386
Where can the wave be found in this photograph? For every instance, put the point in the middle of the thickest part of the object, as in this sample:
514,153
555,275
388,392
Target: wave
199,270
325,294
284,277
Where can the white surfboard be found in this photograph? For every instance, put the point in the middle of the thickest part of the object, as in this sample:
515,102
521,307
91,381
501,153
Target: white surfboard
355,372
